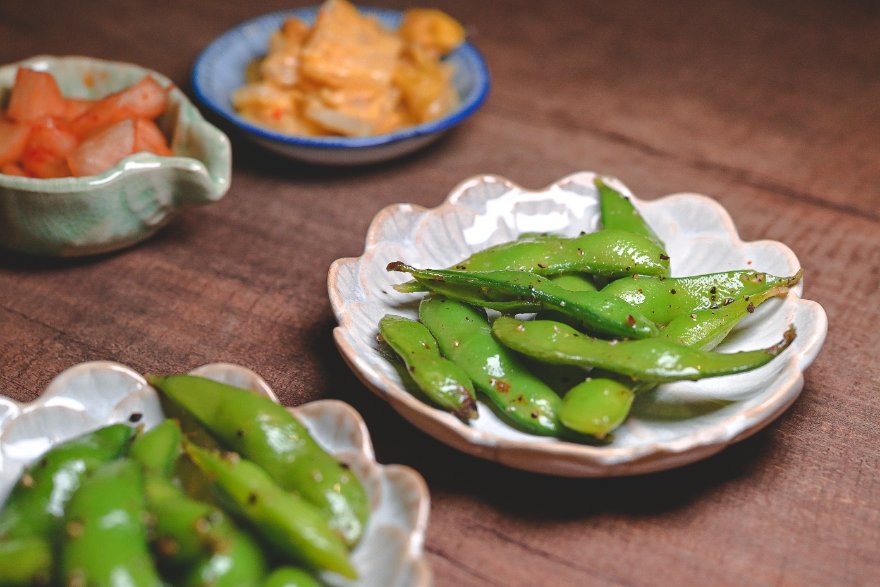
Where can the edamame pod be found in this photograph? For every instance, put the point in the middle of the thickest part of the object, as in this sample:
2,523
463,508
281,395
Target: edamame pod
574,282
25,562
464,336
440,379
571,282
236,562
290,524
618,212
157,449
705,329
290,577
197,538
661,300
607,253
597,311
596,406
653,359
36,505
266,433
105,540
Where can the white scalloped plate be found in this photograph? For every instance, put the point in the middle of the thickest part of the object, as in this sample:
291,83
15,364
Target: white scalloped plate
674,425
90,395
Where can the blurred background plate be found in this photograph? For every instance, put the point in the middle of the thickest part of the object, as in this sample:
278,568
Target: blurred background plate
220,70
95,394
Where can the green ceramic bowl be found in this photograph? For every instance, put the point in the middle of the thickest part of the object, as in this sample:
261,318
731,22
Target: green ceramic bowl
75,216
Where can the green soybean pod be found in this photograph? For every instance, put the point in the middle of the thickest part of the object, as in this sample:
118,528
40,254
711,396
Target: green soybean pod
465,337
236,562
293,526
661,300
290,577
705,329
598,312
607,253
25,561
652,359
105,540
266,433
596,406
574,282
600,404
157,449
36,505
618,212
441,380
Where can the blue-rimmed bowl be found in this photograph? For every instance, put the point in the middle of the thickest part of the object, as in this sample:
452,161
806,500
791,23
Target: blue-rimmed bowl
220,70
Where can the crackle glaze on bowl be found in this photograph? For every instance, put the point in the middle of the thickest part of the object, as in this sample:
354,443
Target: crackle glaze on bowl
90,395
674,425
220,70
126,204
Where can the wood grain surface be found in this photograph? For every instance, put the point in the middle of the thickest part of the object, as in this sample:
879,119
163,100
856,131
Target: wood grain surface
771,107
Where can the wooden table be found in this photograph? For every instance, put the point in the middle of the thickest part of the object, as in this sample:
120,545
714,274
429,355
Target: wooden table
772,108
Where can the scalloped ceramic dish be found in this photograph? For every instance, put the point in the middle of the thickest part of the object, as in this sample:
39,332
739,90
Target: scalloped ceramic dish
128,203
90,395
674,425
220,70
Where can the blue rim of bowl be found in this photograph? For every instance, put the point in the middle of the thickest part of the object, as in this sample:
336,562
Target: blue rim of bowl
465,109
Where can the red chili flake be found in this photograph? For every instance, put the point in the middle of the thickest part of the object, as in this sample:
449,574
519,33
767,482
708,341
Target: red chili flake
750,307
501,386
630,320
167,546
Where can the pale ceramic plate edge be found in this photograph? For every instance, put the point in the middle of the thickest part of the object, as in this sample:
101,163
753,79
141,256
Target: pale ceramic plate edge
146,403
566,458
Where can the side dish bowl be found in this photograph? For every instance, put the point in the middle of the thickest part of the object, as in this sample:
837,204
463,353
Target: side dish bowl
126,204
671,426
220,70
91,395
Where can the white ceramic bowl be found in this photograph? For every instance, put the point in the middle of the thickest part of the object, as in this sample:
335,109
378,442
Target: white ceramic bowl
90,395
128,203
219,71
676,424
